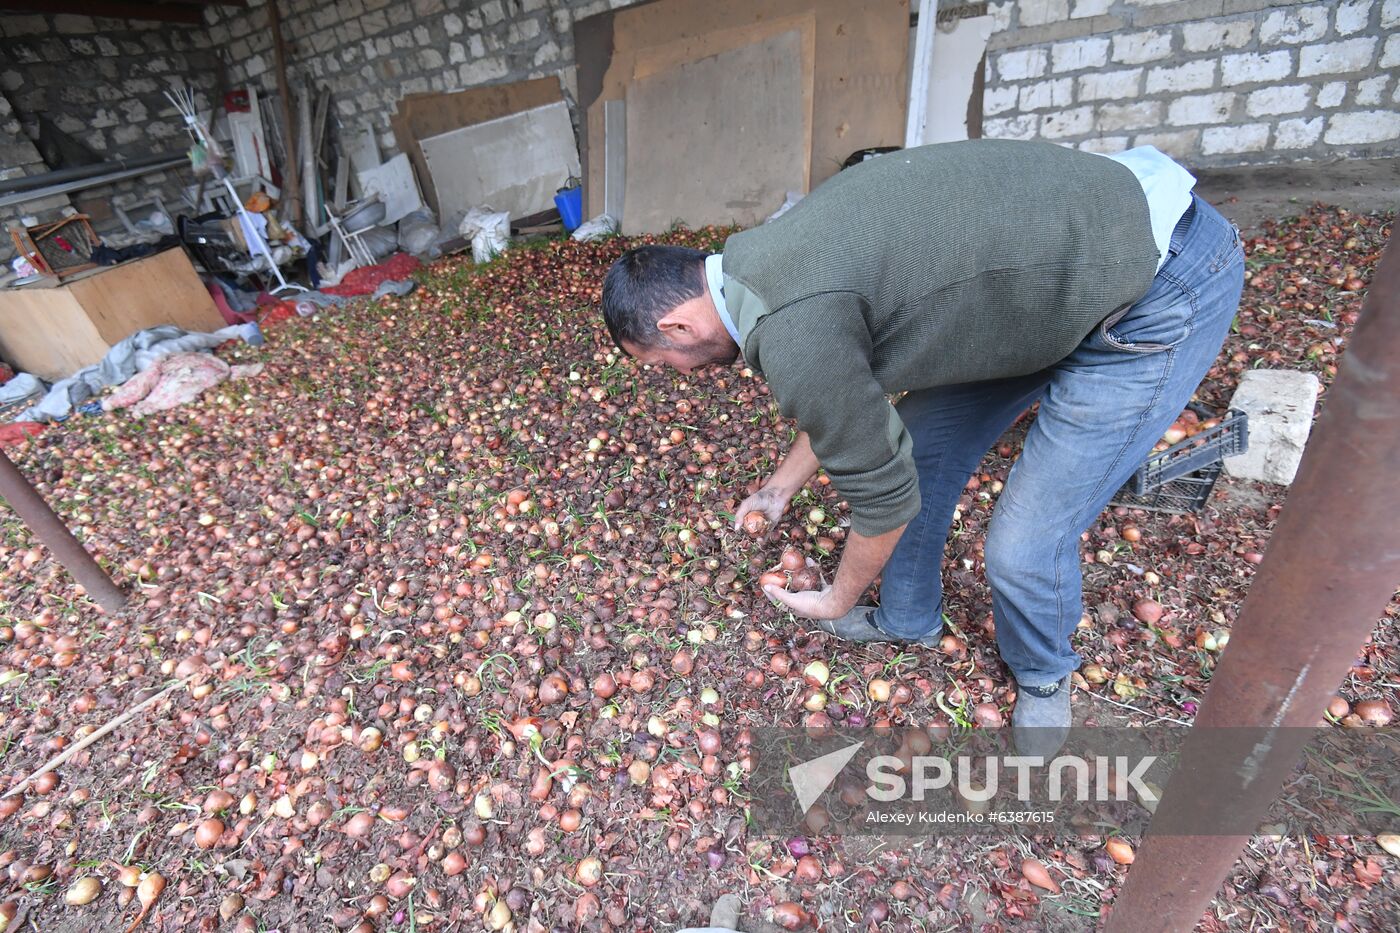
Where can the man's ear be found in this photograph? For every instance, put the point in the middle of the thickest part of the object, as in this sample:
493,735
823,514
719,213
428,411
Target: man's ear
674,324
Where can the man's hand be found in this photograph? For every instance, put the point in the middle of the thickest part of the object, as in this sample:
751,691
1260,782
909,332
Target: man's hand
811,604
770,502
861,563
792,474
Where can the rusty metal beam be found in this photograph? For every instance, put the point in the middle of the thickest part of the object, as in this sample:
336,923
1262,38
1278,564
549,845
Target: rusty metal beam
49,529
1330,569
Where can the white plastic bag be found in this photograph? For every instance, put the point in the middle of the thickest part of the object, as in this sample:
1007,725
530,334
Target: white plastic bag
595,229
418,232
792,198
488,230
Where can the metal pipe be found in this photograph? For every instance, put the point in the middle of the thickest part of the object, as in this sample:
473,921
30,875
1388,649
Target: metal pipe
49,529
1330,569
60,175
20,197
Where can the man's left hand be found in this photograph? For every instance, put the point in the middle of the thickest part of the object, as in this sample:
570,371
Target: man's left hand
811,604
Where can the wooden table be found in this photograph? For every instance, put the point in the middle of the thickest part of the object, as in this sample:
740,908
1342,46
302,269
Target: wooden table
53,329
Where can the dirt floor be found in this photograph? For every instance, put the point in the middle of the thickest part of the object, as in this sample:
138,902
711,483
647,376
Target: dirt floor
1249,195
462,639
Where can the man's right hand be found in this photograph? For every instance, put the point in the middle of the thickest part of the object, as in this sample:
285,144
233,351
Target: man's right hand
770,502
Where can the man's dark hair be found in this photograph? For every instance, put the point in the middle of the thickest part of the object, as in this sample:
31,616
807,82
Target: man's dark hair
644,285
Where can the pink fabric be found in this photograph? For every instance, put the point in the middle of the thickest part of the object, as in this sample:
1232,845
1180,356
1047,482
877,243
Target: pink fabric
174,381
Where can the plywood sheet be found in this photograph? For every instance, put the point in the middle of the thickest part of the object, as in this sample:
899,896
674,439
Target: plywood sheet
514,163
53,332
420,116
45,331
860,79
159,289
719,140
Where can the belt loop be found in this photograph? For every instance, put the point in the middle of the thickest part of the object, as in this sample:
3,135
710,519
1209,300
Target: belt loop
1183,226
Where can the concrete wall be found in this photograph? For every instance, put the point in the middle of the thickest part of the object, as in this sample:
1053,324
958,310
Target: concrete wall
1216,82
101,81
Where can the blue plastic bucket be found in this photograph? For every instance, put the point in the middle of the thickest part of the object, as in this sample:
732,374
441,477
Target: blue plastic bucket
570,204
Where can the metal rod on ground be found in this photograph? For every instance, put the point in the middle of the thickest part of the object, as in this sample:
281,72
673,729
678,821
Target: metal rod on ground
290,186
49,529
1330,569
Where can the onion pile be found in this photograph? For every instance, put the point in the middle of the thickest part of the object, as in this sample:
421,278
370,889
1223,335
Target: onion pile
455,582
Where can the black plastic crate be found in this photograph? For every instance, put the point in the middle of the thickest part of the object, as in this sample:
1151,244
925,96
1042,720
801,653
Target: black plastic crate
1227,439
1178,496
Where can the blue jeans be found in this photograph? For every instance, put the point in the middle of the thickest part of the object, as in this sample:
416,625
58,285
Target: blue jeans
1101,410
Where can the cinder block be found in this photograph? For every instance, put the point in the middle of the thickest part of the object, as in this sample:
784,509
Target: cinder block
1330,94
1352,16
1250,137
1000,99
1200,108
1110,85
1252,68
1105,145
546,53
1041,95
1024,126
1362,128
1075,121
1337,57
1371,92
1080,54
1143,114
1271,101
1040,12
1280,405
1390,57
1019,64
1138,47
1294,26
1211,36
1192,76
1083,9
1178,144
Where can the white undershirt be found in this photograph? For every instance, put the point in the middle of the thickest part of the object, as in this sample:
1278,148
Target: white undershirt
1168,189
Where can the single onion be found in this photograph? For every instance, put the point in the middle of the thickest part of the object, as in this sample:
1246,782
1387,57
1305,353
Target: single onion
755,523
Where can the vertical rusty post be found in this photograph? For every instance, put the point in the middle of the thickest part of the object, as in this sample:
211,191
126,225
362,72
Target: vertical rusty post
1330,569
49,529
291,185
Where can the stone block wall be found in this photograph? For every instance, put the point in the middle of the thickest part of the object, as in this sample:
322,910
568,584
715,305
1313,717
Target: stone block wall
101,81
1214,82
371,53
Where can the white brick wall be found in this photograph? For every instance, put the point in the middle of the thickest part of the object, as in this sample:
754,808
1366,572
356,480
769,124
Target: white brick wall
1210,81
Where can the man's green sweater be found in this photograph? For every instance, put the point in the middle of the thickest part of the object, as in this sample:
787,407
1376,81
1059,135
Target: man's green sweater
945,264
